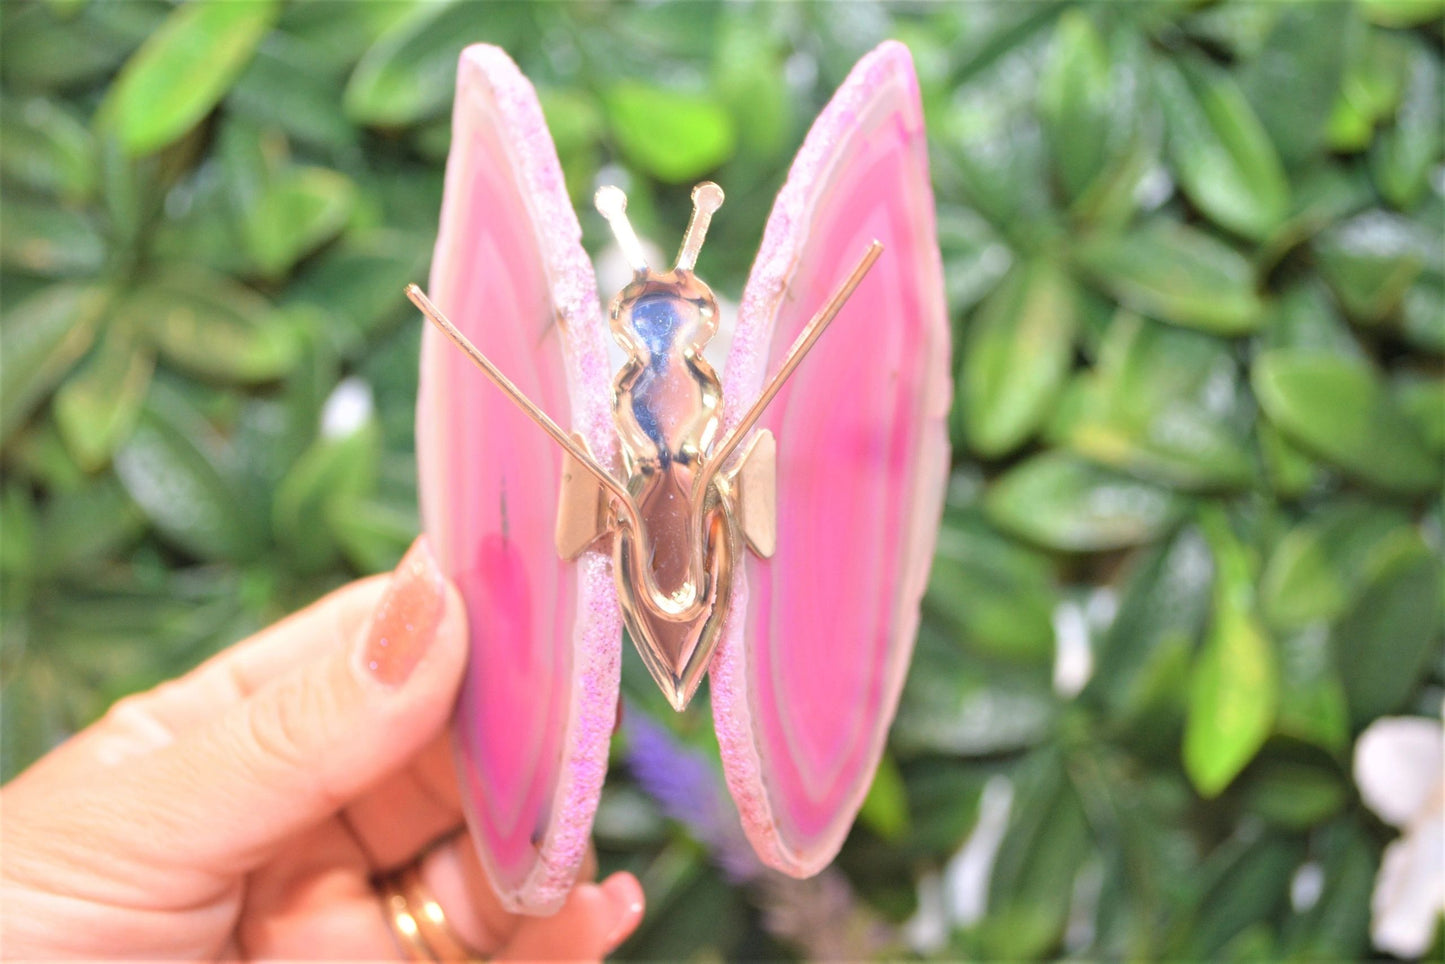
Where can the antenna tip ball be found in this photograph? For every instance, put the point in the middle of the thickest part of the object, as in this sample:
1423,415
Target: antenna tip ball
610,200
707,196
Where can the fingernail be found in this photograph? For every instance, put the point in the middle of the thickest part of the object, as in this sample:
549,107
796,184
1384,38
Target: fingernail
627,901
405,623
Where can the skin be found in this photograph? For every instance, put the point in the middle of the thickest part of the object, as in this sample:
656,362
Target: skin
242,810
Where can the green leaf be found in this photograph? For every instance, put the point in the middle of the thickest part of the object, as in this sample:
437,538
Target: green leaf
671,135
331,474
1312,703
213,326
1162,403
1235,689
1371,260
284,88
885,808
1422,400
1293,81
298,210
1305,318
1220,151
1422,321
1016,354
1177,274
409,74
1291,472
42,51
358,283
1384,646
40,338
1337,927
43,145
1062,502
1074,102
1033,876
997,597
49,240
97,406
84,530
1402,13
1404,154
1340,409
1318,570
184,69
748,74
1295,795
1372,86
1142,664
179,472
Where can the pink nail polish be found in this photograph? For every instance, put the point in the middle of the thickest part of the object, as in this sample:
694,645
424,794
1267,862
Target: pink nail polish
406,621
627,900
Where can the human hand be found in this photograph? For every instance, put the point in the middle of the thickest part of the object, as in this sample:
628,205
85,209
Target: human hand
244,809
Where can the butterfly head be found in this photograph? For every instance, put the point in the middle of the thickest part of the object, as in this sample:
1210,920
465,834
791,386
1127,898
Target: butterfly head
658,312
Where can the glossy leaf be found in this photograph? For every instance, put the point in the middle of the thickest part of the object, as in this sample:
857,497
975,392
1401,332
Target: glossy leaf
1318,570
97,406
1386,642
1162,404
1142,665
1234,693
184,68
1371,260
1340,409
318,490
178,471
1404,155
1046,842
213,326
1422,400
1293,80
1015,355
298,210
52,241
1312,703
674,136
1064,503
998,596
409,73
1220,151
40,338
1177,274
46,147
1075,96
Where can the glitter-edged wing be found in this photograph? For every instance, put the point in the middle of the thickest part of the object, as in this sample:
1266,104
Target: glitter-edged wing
818,640
537,706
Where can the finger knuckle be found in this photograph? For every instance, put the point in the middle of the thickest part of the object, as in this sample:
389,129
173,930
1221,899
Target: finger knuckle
284,725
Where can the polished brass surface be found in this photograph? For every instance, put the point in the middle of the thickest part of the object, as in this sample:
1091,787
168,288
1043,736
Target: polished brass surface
582,508
755,486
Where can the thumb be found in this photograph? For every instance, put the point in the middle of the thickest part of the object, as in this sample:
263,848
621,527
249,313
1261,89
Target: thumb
305,743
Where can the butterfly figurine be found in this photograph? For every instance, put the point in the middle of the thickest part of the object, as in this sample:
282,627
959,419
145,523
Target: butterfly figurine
771,528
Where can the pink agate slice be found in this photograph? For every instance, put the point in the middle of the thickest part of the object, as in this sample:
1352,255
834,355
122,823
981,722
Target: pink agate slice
537,707
807,676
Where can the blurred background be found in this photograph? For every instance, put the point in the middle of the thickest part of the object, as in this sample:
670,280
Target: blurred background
1192,547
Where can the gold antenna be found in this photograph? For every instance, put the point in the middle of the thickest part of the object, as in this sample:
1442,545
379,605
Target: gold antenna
528,407
707,197
800,347
612,204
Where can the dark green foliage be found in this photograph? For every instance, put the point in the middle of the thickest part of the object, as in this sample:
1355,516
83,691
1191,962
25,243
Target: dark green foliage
1194,257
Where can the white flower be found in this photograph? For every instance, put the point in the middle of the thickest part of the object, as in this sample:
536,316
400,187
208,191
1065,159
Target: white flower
347,408
1400,770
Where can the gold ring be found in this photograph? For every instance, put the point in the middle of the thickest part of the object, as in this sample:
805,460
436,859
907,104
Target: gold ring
417,921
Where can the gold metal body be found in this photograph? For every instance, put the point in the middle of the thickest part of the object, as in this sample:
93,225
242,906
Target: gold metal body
677,522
